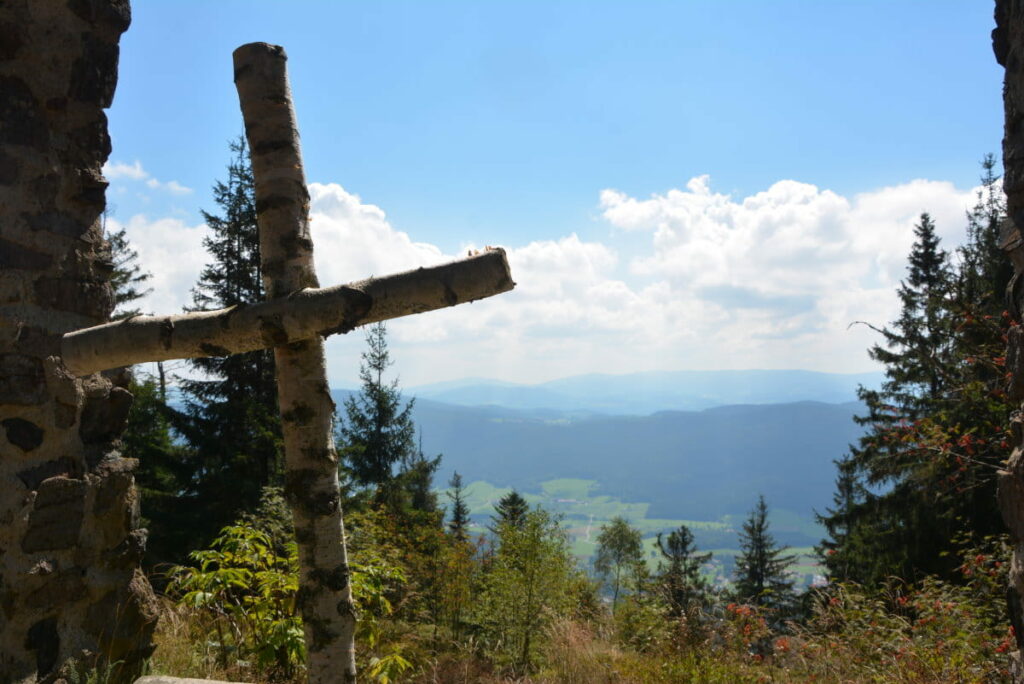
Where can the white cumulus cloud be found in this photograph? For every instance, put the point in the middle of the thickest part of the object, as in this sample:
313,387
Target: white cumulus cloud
787,269
172,252
698,279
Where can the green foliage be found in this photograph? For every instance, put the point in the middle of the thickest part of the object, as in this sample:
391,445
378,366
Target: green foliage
530,580
273,518
80,673
525,613
241,594
643,624
925,633
245,593
934,631
761,568
619,551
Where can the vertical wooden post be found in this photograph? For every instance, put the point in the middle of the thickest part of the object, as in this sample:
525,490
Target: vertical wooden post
311,469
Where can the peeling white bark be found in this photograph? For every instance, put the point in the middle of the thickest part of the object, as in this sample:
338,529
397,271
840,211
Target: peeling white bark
301,315
311,469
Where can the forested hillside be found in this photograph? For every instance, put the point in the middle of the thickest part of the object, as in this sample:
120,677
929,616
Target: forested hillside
696,465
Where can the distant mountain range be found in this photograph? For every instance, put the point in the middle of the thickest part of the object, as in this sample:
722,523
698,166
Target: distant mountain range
696,465
647,393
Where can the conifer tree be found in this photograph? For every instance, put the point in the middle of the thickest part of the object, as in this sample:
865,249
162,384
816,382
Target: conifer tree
127,277
877,538
840,555
377,431
916,348
761,575
923,474
680,577
458,526
232,415
511,508
417,480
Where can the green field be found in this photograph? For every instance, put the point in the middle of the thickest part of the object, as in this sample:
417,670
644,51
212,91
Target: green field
583,512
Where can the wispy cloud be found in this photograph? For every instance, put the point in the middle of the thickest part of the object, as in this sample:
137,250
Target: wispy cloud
134,172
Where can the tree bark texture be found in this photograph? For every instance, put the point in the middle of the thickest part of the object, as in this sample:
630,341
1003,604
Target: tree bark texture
298,316
70,584
1008,45
311,463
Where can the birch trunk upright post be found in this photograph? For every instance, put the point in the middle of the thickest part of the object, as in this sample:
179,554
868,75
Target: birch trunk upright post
294,320
307,411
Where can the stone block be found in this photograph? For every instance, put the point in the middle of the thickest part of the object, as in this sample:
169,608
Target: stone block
33,477
86,297
21,380
60,589
56,517
15,256
104,417
24,120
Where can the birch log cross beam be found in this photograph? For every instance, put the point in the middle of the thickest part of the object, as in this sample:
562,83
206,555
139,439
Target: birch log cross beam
296,316
294,320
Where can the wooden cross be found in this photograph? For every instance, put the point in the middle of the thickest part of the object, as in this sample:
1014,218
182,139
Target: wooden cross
296,317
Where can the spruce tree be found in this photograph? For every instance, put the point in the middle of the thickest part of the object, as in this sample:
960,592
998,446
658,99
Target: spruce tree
975,416
377,431
680,576
888,534
458,526
416,479
232,415
761,575
511,508
127,277
840,555
923,476
916,348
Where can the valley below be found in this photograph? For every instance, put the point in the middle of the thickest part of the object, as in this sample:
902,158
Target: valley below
700,467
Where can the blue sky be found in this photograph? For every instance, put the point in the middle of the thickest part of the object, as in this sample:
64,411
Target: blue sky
579,135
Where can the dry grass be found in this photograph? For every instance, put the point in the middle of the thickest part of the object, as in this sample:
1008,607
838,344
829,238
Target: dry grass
181,651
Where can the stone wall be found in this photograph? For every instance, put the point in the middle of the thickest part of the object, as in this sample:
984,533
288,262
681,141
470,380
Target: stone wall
1008,44
70,584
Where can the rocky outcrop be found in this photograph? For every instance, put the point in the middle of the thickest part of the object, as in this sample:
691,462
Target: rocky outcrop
70,587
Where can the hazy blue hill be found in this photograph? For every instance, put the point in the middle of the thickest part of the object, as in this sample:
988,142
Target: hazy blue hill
698,465
645,393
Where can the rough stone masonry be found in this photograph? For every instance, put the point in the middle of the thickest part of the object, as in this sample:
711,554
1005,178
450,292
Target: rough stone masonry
70,547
